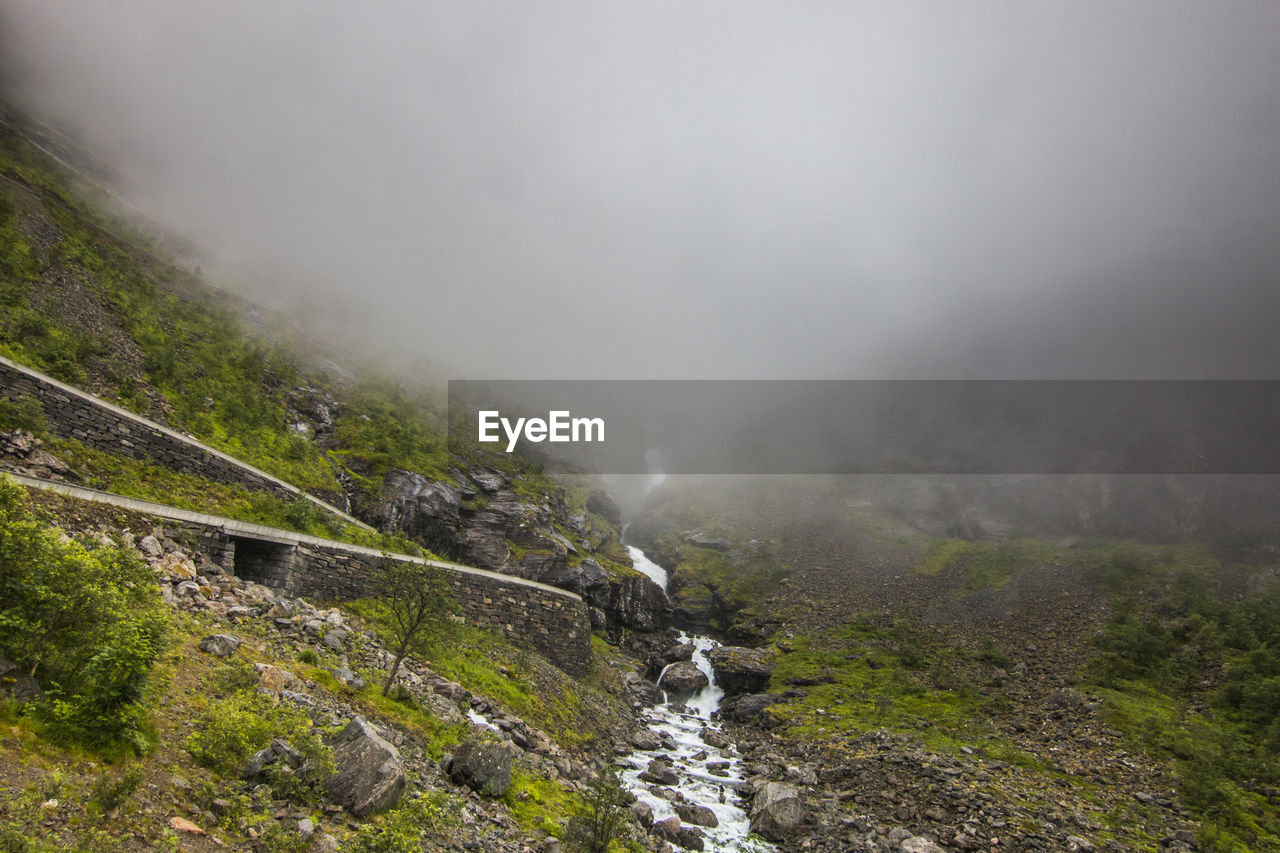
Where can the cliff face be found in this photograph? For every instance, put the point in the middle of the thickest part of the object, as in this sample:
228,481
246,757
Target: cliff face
482,520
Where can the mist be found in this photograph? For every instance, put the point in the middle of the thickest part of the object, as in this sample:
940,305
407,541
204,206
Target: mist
716,190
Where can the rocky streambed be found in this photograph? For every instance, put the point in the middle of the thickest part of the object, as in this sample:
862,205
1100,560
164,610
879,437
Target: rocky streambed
688,777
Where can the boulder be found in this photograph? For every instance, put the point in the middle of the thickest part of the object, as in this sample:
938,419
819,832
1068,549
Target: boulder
742,670
641,689
370,774
344,676
683,677
678,652
671,830
646,740
713,738
697,815
17,684
660,772
220,645
273,679
745,708
776,811
482,767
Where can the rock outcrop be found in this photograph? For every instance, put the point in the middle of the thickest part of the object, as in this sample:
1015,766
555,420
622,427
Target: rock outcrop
370,774
742,670
683,677
483,767
776,811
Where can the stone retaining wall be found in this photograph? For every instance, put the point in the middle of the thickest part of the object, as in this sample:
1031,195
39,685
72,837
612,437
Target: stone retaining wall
553,621
72,413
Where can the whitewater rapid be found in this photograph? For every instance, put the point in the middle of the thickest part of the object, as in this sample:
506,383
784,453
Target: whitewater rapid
708,776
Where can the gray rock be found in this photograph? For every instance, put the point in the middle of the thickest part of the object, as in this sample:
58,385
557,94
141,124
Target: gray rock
150,546
482,767
742,670
713,738
920,844
336,639
370,774
683,677
642,812
220,645
641,689
326,843
635,601
776,811
697,815
673,831
426,511
646,740
347,678
678,652
745,708
659,772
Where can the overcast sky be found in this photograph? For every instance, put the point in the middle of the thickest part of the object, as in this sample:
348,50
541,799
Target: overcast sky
736,190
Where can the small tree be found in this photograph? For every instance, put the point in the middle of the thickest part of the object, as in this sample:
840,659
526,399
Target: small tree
602,812
417,597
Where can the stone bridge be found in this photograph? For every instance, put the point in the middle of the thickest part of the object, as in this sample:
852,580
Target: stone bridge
553,621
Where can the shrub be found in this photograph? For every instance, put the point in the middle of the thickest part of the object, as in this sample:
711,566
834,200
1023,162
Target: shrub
110,792
86,622
401,829
230,732
601,815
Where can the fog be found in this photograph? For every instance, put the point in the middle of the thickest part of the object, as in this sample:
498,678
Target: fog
711,190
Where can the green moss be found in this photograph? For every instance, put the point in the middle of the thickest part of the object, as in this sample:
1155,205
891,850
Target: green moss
538,804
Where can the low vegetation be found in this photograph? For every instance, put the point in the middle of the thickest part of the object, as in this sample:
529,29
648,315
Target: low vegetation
83,621
1196,679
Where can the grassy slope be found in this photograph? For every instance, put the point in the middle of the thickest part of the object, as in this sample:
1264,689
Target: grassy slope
87,299
1186,669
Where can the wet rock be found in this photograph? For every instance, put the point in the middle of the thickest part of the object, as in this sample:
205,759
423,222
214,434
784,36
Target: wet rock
747,707
742,670
642,812
776,811
220,645
697,815
370,774
423,510
678,652
713,738
646,740
482,767
660,772
636,602
671,830
683,677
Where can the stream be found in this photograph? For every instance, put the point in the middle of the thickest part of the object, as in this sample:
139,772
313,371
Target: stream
708,776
